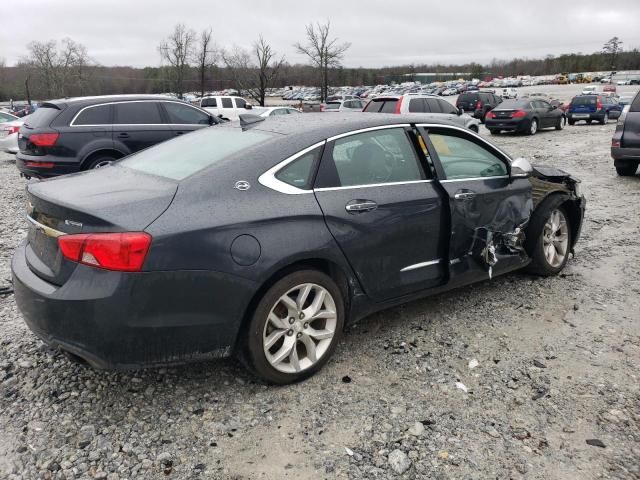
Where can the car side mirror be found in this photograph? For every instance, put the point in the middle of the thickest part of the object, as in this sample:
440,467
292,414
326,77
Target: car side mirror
460,111
520,167
212,120
248,106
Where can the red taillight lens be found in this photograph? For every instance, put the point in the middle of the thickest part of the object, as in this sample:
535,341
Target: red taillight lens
478,105
44,139
39,164
519,114
123,252
615,143
322,108
598,103
12,129
491,115
399,104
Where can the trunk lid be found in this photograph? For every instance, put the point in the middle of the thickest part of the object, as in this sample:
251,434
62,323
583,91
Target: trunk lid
111,199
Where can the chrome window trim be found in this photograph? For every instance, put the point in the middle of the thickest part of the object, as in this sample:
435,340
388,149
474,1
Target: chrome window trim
416,266
473,178
368,185
268,179
71,123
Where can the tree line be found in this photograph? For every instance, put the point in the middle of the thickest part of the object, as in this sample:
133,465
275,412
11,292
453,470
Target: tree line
193,62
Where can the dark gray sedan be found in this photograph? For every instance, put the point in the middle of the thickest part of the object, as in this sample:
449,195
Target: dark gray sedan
263,240
525,116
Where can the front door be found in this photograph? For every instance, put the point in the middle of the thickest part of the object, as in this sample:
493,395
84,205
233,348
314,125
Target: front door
487,207
384,212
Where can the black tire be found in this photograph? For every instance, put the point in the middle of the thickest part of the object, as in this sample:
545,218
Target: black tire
588,121
561,122
534,237
572,122
493,131
605,119
533,127
253,350
100,161
627,170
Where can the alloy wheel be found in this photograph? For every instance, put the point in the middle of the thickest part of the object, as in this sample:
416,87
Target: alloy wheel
300,328
555,238
103,163
534,127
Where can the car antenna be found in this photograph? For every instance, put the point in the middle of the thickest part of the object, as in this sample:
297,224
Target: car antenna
247,119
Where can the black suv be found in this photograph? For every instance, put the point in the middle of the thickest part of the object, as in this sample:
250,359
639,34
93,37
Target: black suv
625,144
70,135
480,103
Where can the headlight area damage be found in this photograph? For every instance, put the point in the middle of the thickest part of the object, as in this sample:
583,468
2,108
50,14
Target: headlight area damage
506,236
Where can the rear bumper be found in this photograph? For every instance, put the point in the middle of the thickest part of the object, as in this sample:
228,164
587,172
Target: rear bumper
60,167
625,155
585,116
120,320
509,125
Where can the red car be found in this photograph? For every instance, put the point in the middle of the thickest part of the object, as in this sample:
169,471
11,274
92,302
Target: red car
609,88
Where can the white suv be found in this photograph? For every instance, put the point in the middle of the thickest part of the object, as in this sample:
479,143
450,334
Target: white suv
425,104
228,108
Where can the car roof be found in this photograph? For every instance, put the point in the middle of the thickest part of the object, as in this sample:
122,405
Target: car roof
83,101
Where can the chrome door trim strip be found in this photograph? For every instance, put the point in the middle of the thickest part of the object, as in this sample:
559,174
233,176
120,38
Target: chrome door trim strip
48,231
269,180
416,266
329,189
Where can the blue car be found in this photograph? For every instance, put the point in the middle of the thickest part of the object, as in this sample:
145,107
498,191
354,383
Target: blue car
593,107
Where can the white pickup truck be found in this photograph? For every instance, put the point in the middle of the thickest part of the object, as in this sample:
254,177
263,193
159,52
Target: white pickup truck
225,106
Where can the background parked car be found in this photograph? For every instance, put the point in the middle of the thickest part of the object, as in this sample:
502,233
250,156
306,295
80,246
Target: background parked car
225,107
524,116
69,135
478,103
506,93
593,107
272,111
353,105
427,104
625,144
9,128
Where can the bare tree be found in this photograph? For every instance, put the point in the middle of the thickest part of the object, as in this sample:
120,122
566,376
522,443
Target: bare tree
205,57
254,75
323,52
177,50
60,69
613,47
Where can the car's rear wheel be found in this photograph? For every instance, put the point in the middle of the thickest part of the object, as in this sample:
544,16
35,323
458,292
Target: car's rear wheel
605,119
627,170
533,127
295,327
572,122
494,131
562,121
549,238
100,161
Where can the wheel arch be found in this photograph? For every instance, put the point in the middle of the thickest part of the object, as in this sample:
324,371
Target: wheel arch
96,153
559,198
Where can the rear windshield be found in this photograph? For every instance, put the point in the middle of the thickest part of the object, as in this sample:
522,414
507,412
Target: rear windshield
586,100
179,158
332,106
384,105
468,97
42,117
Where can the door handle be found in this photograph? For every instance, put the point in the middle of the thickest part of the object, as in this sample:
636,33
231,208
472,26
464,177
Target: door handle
360,206
464,196
123,135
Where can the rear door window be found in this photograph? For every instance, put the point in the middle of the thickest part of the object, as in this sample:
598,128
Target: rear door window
98,115
226,102
417,105
433,105
384,105
137,113
240,103
446,107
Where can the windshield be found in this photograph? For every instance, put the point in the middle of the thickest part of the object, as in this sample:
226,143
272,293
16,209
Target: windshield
179,158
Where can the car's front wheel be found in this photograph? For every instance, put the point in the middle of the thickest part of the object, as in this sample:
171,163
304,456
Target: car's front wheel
562,121
295,327
549,238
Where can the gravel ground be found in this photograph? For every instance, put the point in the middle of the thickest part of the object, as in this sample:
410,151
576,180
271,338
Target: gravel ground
553,393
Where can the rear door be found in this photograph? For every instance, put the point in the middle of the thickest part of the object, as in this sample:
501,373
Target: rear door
183,118
384,211
138,125
484,202
631,133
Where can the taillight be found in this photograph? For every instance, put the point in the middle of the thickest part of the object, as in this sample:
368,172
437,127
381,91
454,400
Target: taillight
11,129
44,139
123,252
615,143
322,107
399,104
598,103
491,115
478,105
519,114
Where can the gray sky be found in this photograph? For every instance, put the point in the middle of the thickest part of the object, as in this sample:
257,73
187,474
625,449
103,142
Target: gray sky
382,32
